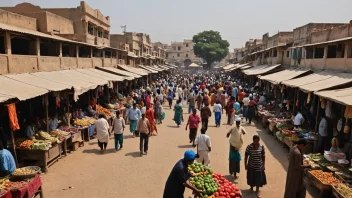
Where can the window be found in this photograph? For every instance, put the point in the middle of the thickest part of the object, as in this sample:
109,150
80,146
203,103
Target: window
186,45
179,48
106,35
275,53
90,29
319,52
100,33
336,51
309,53
2,44
178,54
288,54
187,55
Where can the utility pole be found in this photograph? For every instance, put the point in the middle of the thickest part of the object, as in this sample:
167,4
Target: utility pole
124,28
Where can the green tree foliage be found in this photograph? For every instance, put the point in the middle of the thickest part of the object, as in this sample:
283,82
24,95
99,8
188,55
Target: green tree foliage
210,46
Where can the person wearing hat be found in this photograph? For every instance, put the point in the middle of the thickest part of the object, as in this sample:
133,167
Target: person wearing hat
295,185
236,142
178,178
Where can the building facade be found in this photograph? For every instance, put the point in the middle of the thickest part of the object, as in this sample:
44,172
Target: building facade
182,54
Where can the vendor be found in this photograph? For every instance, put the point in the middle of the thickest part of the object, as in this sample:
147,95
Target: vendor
30,130
7,163
299,119
335,146
178,178
54,123
91,111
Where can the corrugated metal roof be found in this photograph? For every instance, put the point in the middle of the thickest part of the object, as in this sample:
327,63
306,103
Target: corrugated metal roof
11,88
38,82
336,80
134,70
261,70
119,72
237,66
101,74
278,77
147,68
342,96
307,79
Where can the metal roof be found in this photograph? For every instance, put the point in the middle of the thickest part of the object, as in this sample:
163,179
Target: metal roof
261,69
119,72
101,74
336,80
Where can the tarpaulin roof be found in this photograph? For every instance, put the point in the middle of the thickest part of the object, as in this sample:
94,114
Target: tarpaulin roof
79,86
149,69
154,67
336,80
134,70
11,88
119,72
307,79
229,66
85,77
237,66
39,82
260,70
342,96
246,67
101,74
278,77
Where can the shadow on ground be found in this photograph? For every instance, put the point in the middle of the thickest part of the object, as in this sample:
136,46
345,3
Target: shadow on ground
97,151
134,154
185,146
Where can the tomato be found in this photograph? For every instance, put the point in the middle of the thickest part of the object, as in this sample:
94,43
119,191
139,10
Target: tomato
216,194
232,194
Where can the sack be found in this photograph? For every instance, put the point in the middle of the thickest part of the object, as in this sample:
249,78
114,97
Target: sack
162,116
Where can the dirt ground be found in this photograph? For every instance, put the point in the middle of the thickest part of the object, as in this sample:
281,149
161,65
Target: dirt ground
90,174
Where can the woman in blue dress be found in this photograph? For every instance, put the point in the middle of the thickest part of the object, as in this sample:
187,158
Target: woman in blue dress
178,116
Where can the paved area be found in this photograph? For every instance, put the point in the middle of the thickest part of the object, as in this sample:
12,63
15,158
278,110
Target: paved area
88,173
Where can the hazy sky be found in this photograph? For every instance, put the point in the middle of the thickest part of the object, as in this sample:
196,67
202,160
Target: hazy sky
236,20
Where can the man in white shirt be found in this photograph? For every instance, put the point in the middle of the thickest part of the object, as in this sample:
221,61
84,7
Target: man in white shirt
323,134
245,106
299,119
203,147
118,126
217,112
102,129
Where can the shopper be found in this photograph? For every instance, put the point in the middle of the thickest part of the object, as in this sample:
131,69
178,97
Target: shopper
205,114
323,134
191,102
178,178
118,126
203,144
230,109
7,162
295,185
236,142
144,130
178,115
170,97
245,106
251,109
102,130
193,122
254,163
218,110
134,114
299,119
150,116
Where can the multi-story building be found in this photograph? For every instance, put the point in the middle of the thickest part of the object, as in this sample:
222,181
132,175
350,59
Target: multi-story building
82,23
182,54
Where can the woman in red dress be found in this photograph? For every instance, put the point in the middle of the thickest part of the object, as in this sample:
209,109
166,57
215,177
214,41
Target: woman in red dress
149,114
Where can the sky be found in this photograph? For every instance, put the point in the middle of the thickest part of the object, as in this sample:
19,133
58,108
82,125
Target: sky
236,20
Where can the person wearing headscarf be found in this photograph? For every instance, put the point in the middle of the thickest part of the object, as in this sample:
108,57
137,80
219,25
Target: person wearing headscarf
149,114
251,109
178,115
236,142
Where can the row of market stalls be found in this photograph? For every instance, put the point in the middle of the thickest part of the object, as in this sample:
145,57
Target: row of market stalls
46,114
317,95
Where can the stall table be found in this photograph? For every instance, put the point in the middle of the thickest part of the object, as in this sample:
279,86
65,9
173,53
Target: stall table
44,158
32,189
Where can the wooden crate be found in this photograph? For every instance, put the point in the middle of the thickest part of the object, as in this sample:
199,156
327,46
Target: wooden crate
318,184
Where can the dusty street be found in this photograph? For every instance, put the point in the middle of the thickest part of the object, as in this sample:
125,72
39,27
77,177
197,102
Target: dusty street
87,173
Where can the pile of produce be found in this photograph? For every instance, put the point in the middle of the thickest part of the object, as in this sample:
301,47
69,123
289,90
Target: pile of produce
106,112
344,190
324,177
41,145
26,144
7,185
315,156
210,184
293,138
24,171
284,125
60,134
46,136
84,122
324,162
71,130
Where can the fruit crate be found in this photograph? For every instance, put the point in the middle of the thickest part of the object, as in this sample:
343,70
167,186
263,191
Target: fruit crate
318,184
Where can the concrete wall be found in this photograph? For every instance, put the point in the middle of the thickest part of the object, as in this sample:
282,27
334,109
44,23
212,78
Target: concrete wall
69,63
97,62
17,20
108,62
49,63
3,64
85,63
95,13
23,64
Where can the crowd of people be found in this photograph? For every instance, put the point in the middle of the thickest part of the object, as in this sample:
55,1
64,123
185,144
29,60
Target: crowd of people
205,95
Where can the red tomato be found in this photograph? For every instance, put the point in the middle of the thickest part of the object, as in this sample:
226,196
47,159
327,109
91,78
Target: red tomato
216,194
232,194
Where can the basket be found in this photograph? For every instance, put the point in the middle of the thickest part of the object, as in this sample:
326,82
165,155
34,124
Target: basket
37,170
317,183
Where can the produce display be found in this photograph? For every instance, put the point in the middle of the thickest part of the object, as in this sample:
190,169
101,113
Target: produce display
344,190
24,171
60,134
210,184
84,122
284,125
26,144
102,110
41,145
46,136
7,185
324,177
323,162
71,130
315,156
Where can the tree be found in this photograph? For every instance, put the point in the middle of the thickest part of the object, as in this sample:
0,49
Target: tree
210,46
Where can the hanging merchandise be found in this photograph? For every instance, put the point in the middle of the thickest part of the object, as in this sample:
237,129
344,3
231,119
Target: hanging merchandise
11,108
308,97
322,102
282,88
348,112
328,109
346,129
339,125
